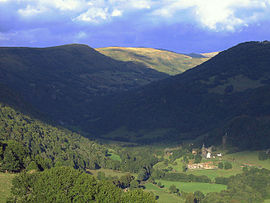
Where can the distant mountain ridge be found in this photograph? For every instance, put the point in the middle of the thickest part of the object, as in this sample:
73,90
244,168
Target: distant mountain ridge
158,59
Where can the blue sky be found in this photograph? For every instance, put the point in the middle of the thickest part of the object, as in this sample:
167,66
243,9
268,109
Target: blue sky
179,25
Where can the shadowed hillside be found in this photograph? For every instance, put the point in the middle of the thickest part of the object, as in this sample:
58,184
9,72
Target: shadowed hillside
161,60
60,81
233,84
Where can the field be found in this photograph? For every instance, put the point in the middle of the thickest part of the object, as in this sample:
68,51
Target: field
238,160
192,186
5,185
164,196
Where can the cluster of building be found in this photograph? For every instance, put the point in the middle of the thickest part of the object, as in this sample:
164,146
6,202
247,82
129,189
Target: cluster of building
206,165
207,152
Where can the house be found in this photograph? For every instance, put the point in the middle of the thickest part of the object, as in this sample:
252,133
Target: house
219,155
208,155
194,151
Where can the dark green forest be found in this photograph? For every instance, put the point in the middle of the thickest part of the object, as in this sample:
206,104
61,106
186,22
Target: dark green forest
68,185
252,185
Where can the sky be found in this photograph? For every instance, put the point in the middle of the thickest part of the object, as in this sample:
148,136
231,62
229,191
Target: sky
183,26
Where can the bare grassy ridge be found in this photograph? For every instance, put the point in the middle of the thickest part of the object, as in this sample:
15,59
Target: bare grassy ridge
160,60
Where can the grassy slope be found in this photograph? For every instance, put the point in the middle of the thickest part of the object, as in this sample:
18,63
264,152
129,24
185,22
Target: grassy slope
5,185
164,196
161,60
192,186
237,160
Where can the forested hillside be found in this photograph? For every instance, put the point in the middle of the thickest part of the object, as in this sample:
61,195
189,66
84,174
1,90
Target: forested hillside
27,142
61,81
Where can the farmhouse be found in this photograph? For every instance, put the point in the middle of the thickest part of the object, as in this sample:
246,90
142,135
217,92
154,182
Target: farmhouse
194,151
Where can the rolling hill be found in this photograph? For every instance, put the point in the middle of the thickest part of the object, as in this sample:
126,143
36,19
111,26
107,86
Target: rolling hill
228,94
61,81
161,60
83,89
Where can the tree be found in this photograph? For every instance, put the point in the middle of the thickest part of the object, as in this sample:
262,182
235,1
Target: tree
64,184
159,184
14,156
198,196
126,180
184,168
142,175
173,189
262,156
11,162
220,165
245,169
190,198
227,165
198,158
185,159
134,184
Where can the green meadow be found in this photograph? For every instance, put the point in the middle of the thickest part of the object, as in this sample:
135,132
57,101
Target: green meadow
163,194
5,185
194,186
114,156
238,160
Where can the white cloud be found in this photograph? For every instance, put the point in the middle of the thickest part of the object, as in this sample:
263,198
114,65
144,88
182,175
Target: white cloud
116,13
140,4
65,5
228,15
30,11
93,15
216,15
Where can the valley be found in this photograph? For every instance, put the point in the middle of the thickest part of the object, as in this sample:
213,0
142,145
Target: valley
117,130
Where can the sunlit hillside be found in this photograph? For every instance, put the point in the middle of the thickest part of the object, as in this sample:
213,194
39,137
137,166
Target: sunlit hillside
161,60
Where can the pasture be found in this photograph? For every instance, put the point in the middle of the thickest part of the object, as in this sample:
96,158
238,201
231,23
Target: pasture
5,185
163,194
194,186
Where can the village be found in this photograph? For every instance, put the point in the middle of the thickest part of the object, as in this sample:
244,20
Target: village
206,153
